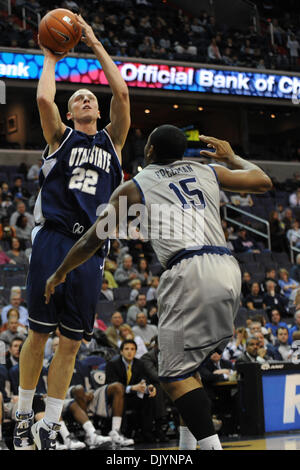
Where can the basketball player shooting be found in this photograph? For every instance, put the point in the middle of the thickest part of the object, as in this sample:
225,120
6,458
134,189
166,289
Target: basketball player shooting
81,170
199,291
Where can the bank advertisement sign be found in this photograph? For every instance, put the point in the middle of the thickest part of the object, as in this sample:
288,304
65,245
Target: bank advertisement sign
81,70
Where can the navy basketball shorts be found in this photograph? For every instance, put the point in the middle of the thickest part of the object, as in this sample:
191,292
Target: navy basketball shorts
72,307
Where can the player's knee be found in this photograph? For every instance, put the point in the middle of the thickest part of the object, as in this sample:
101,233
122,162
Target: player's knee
117,388
68,346
37,340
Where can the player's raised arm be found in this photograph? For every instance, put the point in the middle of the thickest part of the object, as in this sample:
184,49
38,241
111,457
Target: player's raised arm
96,236
52,125
120,105
243,176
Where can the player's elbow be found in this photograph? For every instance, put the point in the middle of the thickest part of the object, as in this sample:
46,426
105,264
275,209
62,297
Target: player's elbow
265,184
43,101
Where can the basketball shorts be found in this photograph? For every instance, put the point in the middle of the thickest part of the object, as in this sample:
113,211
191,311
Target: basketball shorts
198,299
72,307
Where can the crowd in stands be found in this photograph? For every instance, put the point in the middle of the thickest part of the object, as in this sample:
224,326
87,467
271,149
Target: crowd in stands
153,29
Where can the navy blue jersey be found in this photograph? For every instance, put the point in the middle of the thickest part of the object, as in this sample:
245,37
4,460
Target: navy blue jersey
75,180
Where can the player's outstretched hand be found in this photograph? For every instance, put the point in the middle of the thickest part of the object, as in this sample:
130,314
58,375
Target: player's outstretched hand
223,151
88,36
52,282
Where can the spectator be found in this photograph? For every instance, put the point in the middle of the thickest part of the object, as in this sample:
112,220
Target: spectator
144,273
242,200
213,52
246,284
11,332
271,276
13,354
244,244
296,326
13,312
7,232
282,345
143,329
288,219
106,293
236,346
293,234
21,210
216,369
17,254
266,350
15,302
113,331
125,273
295,270
23,228
34,171
294,199
152,314
251,353
152,291
273,300
139,306
4,259
254,301
286,283
18,190
293,46
130,372
136,286
277,232
127,333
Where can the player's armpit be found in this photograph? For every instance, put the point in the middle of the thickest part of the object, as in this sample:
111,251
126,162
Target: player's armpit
252,180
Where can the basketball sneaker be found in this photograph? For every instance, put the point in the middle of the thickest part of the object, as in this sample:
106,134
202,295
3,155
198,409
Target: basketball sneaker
95,440
44,436
120,440
22,438
74,444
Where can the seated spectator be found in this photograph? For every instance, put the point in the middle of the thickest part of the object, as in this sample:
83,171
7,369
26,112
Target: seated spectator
13,353
246,284
294,199
117,252
244,244
293,234
216,369
288,219
23,229
152,314
99,324
4,259
11,332
213,52
282,345
144,273
277,232
275,323
130,372
261,321
266,350
236,346
242,200
21,210
106,293
15,302
251,353
296,326
7,232
152,291
139,306
125,273
17,254
295,269
14,313
271,276
34,171
136,286
144,329
254,301
286,283
273,300
113,331
108,274
127,333
19,189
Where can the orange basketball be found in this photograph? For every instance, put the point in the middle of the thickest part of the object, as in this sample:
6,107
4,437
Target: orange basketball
59,30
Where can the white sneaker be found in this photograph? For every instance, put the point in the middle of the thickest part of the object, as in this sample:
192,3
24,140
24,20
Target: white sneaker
44,436
74,444
60,446
120,440
96,440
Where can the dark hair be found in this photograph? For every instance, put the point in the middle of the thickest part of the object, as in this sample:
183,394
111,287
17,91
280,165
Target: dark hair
20,219
169,142
127,341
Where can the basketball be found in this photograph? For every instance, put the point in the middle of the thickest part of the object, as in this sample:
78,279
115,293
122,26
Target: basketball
59,30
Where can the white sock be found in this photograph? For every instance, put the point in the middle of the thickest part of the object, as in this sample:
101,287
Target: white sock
89,428
64,432
187,440
210,443
53,410
116,423
25,400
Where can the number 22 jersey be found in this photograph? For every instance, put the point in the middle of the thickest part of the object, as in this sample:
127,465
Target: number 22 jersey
75,180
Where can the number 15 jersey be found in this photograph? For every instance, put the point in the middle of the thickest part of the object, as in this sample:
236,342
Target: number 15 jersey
75,180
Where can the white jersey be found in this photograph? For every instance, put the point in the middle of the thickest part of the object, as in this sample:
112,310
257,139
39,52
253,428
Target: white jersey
182,203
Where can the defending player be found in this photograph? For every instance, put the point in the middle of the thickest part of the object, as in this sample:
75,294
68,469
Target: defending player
199,292
81,170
